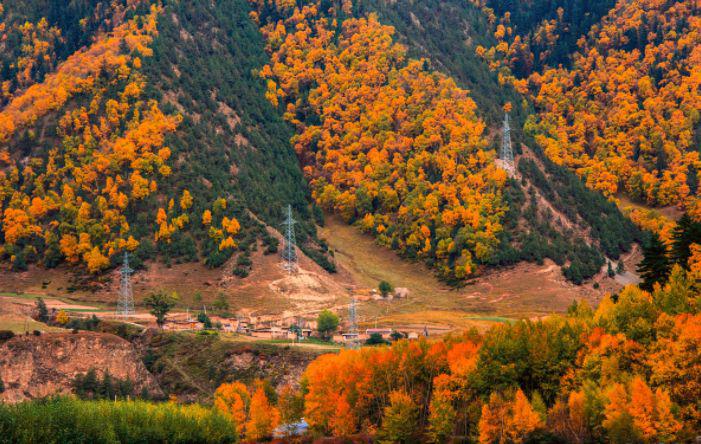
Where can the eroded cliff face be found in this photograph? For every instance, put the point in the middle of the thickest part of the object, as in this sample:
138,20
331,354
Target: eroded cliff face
39,366
193,366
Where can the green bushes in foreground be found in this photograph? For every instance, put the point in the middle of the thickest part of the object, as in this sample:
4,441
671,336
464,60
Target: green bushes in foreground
68,420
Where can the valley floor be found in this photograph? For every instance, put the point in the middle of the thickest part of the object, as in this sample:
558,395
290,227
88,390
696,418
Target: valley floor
523,291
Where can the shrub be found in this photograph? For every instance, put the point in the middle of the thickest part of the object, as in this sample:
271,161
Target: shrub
6,335
241,272
42,311
204,319
375,339
71,420
244,260
385,288
90,324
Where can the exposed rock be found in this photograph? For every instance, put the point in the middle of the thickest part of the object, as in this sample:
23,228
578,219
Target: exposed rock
39,366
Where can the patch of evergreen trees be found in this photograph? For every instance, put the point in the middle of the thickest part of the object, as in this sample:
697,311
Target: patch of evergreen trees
89,386
658,258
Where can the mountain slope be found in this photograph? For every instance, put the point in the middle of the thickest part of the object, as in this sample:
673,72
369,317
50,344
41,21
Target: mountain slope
117,139
168,143
623,112
448,33
231,141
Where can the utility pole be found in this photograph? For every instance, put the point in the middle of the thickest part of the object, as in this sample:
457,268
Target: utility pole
289,251
125,303
506,156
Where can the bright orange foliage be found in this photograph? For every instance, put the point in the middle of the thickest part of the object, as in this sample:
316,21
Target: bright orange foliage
233,400
110,153
206,217
507,421
262,417
650,412
398,147
675,364
77,74
343,421
62,317
624,115
365,378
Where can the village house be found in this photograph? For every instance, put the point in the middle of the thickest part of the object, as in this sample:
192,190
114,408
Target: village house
386,333
182,325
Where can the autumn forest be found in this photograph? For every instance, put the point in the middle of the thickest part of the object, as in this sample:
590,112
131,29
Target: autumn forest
173,132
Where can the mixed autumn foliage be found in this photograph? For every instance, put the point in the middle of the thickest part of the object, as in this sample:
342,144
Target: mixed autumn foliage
625,372
72,196
386,143
622,110
90,100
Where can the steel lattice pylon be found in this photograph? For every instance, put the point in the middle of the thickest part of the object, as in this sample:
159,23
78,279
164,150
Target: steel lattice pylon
125,303
289,251
354,341
506,156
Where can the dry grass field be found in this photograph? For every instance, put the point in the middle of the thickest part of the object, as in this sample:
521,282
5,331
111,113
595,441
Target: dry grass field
523,291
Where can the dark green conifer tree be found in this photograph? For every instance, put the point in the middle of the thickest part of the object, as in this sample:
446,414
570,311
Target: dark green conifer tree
656,265
687,232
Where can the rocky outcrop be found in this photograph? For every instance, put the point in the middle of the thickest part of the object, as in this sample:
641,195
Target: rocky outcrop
39,366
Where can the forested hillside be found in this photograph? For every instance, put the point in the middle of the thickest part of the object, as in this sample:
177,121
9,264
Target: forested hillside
139,126
623,110
384,141
169,129
544,33
447,34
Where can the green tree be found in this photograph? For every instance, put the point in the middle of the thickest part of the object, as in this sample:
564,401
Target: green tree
160,304
441,421
204,319
655,266
400,420
326,323
291,405
220,303
686,232
294,328
622,430
375,339
620,268
676,295
385,288
634,314
42,311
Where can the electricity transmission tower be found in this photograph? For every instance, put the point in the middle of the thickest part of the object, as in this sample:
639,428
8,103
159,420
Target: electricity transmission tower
125,304
289,252
354,341
506,156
